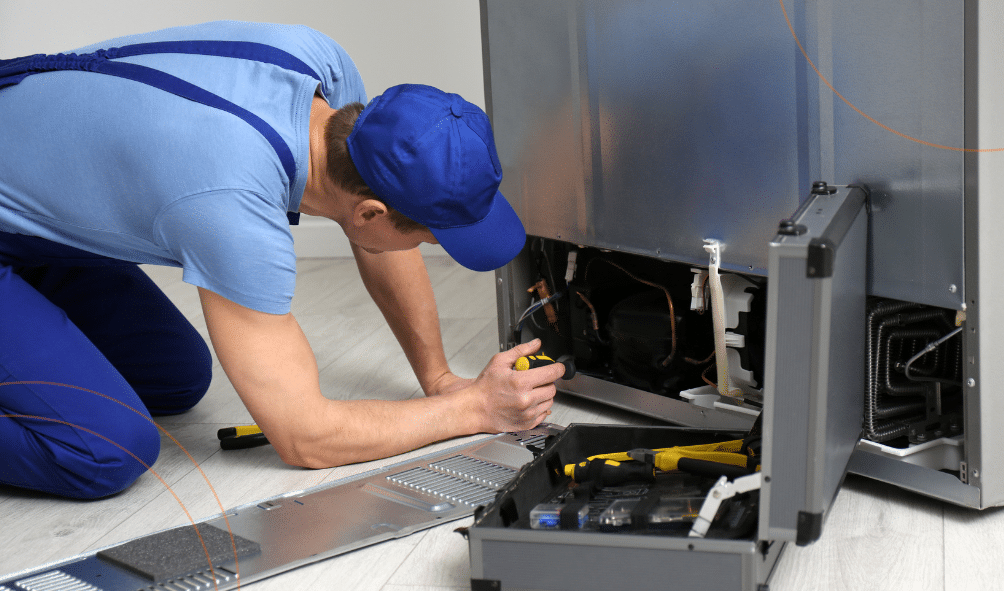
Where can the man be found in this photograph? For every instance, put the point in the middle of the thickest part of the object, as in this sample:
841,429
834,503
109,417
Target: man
196,147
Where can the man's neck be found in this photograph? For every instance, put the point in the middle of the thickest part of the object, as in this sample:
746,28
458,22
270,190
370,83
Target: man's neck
314,200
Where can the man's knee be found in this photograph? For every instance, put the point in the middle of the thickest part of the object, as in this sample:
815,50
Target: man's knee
87,464
184,386
124,458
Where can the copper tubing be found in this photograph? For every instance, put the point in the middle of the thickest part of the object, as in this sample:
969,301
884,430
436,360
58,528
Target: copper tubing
592,310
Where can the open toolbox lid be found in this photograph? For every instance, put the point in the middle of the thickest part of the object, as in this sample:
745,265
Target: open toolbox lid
815,360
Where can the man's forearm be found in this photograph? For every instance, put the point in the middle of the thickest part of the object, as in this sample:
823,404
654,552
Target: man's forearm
349,431
270,364
399,284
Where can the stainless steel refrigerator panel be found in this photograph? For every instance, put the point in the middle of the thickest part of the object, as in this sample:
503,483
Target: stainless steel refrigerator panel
633,126
664,408
532,92
985,243
919,479
815,363
902,66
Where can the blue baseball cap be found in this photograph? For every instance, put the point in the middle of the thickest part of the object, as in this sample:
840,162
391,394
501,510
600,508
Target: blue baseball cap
431,155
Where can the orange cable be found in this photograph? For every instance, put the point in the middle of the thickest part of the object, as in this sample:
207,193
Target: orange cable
862,113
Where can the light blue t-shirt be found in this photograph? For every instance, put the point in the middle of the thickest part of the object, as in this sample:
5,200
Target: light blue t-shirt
130,172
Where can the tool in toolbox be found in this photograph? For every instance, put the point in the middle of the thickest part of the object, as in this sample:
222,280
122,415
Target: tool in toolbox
735,464
722,490
730,458
241,437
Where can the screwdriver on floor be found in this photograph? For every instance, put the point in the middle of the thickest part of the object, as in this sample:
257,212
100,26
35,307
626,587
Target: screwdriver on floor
241,437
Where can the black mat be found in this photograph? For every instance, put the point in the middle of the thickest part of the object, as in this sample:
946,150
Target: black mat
177,552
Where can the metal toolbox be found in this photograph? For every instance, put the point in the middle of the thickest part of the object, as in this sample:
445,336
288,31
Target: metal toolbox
506,553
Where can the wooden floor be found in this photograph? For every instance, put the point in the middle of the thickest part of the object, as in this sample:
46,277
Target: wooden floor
877,538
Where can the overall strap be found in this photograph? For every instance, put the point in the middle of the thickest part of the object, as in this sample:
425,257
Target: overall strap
15,70
248,50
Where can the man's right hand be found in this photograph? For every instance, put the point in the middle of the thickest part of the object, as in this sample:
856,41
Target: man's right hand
510,400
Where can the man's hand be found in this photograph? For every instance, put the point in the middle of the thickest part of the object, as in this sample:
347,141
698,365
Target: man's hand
510,400
447,383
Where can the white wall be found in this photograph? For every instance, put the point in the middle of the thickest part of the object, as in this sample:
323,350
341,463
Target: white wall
435,42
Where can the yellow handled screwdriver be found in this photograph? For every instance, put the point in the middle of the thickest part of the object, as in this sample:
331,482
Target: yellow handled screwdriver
241,437
533,361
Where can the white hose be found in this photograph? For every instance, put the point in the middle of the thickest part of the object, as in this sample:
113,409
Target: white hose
718,316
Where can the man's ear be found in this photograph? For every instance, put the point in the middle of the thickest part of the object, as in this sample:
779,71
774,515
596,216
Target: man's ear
368,210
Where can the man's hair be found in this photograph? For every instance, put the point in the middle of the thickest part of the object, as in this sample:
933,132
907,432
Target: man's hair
343,171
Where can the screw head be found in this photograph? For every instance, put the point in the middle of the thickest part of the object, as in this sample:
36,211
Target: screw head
971,382
821,188
952,288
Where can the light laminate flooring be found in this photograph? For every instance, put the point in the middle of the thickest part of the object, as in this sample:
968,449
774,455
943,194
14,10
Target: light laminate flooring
877,538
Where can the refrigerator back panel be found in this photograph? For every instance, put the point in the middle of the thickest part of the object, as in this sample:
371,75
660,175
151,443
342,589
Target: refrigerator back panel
647,127
902,65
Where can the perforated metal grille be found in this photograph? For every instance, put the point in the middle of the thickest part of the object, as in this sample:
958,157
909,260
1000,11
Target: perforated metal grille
535,441
55,580
194,582
476,470
451,488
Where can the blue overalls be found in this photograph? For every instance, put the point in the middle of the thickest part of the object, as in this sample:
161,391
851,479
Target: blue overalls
100,347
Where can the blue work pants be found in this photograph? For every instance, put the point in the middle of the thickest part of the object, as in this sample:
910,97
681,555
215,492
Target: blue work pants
90,348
